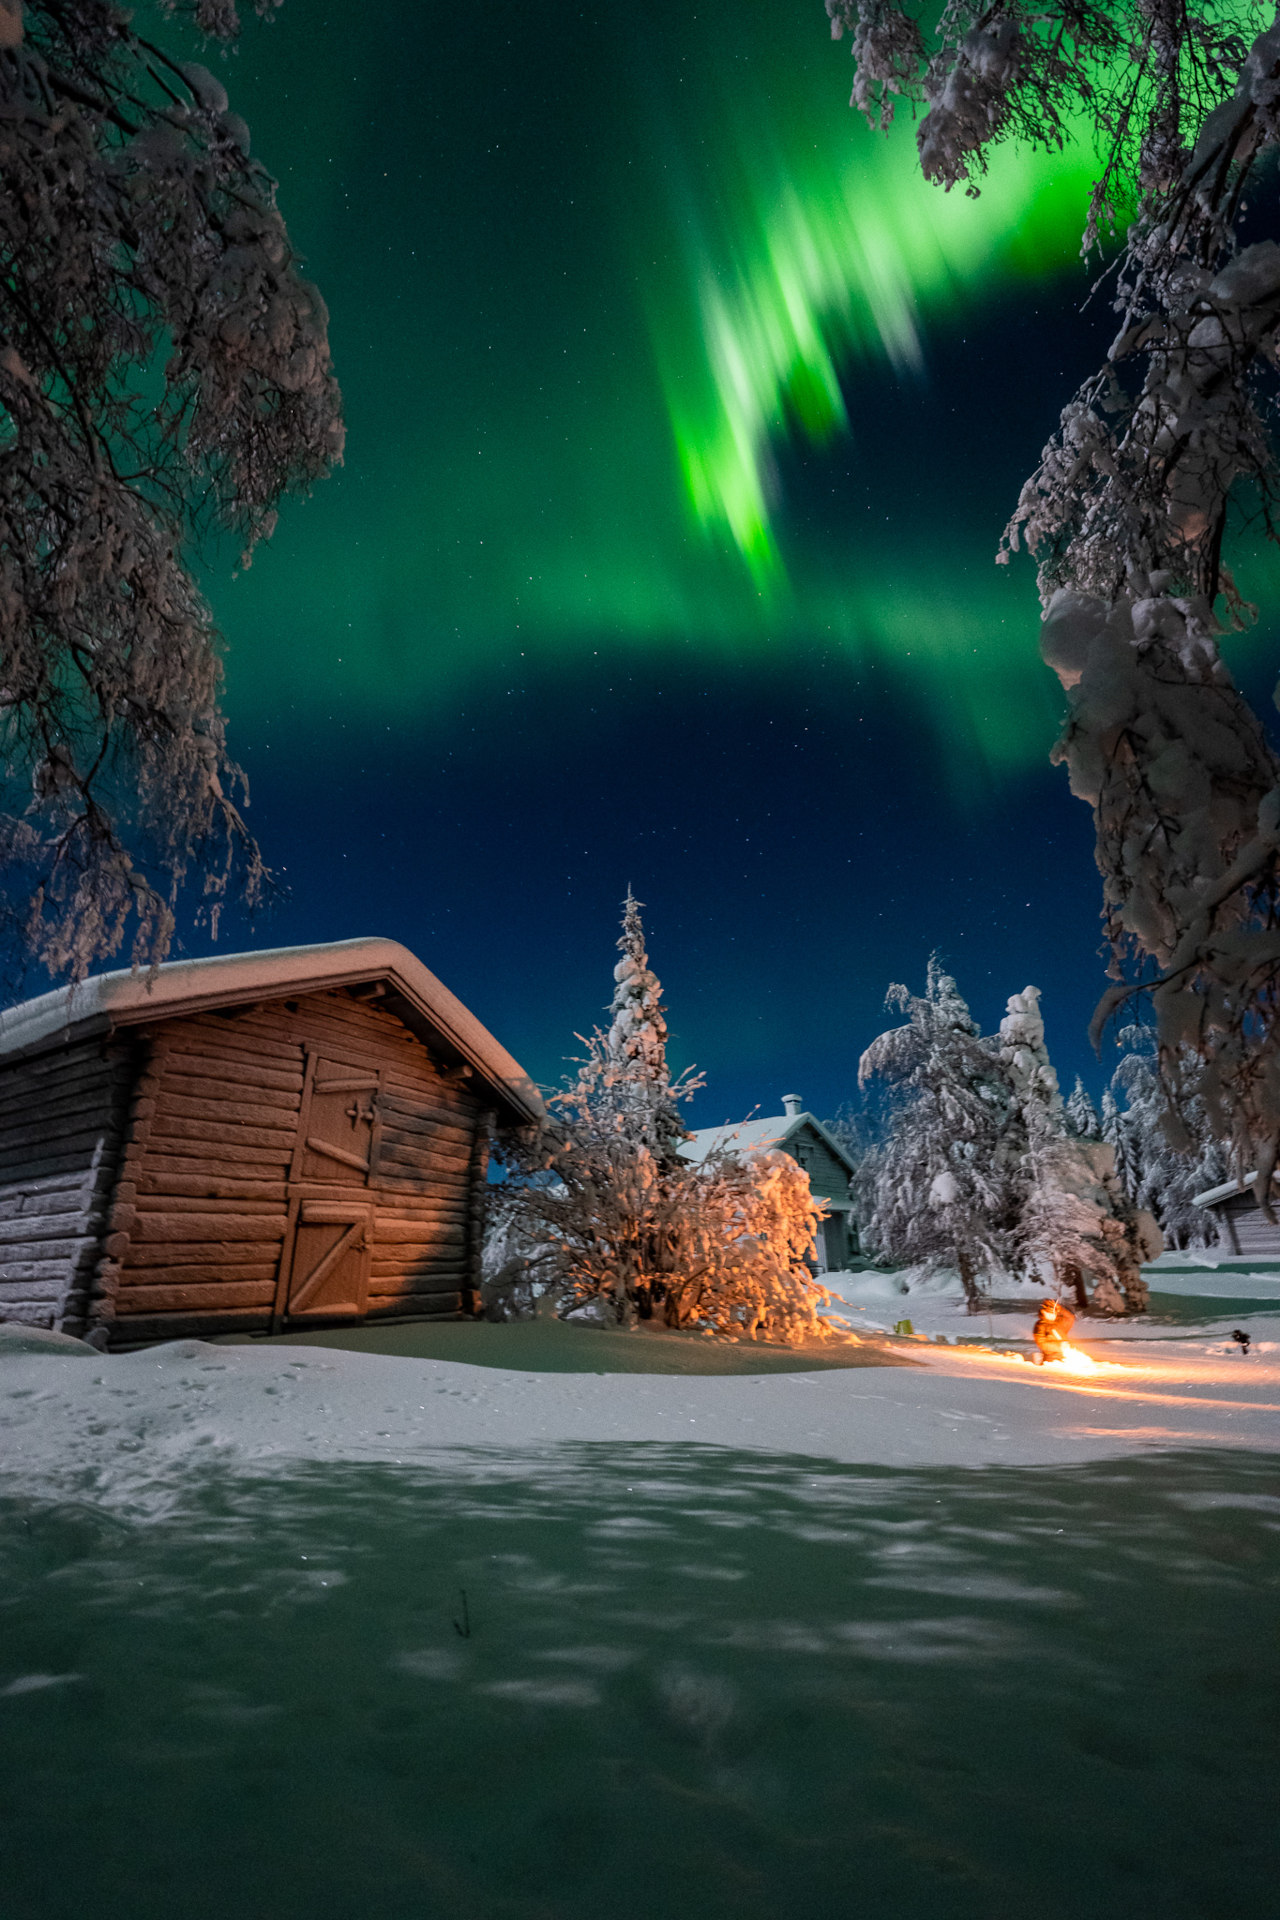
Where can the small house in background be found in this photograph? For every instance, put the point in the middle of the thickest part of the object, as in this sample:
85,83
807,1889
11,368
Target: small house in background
823,1158
250,1143
1243,1228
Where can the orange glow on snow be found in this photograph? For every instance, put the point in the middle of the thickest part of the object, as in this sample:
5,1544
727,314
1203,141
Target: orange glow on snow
1074,1360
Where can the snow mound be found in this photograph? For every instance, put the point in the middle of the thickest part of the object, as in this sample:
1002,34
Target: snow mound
15,1338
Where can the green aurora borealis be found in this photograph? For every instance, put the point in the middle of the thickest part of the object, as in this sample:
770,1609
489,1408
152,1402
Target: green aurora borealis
683,421
590,278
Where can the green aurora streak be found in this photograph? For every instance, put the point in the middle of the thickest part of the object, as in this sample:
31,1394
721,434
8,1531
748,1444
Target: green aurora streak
575,333
804,284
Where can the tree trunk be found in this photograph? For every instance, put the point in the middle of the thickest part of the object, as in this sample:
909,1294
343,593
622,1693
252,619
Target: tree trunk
968,1280
1073,1278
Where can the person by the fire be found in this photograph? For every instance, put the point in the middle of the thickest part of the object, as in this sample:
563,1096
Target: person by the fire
1051,1329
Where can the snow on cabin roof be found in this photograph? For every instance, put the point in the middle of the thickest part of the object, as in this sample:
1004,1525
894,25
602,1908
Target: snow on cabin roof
1212,1195
758,1136
123,998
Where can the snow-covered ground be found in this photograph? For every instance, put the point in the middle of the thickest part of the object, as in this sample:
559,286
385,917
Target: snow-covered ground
131,1425
1184,1306
297,1632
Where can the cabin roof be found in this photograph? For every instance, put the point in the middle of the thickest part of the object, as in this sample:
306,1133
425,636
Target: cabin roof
1213,1196
758,1136
107,1001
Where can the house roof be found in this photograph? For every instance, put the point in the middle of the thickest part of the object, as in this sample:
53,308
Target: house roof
107,1001
758,1136
1212,1195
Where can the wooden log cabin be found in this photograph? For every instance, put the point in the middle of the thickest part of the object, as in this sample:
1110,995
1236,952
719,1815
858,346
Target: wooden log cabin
251,1143
1243,1228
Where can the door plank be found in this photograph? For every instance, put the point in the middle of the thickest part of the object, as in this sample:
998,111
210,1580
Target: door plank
311,1285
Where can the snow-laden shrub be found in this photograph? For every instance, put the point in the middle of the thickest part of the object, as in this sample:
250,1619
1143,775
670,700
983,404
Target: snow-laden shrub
599,1208
601,1214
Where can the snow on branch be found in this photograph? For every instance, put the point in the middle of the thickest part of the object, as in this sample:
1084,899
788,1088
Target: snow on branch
982,1169
164,379
1157,457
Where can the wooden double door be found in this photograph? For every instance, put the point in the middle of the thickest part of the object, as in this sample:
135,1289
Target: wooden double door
328,1243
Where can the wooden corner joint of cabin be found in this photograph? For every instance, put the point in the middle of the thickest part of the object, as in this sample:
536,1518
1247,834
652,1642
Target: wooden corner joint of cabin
104,1285
477,1209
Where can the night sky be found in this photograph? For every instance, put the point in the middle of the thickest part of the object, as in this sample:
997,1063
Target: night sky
683,421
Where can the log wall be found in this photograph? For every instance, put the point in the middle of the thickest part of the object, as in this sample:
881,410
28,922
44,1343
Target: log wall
1246,1228
62,1123
202,1203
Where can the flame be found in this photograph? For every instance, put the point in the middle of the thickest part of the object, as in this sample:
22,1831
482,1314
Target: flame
1075,1361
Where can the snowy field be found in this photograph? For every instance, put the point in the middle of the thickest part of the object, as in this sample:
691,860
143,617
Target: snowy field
291,1629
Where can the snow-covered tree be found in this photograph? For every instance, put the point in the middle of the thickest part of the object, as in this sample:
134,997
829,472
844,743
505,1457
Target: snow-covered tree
599,1207
1130,509
1082,1116
164,377
941,1184
979,1168
1073,1220
636,1044
1166,1150
1121,1136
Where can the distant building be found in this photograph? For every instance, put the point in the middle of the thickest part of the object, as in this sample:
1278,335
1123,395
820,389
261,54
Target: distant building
1241,1222
248,1143
823,1158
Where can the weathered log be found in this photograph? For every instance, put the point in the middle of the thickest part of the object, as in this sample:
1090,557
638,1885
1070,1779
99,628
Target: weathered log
67,1198
433,1233
419,1117
142,1329
208,1186
189,1297
273,1139
215,1161
175,1101
228,1207
36,1231
33,1282
219,1077
197,1273
394,1154
171,1253
154,1228
444,1305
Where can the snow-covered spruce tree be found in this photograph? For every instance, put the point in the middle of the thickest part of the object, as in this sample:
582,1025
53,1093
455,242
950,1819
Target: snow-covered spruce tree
599,1207
1121,1136
1129,510
636,1043
164,378
1082,1116
1073,1219
942,1183
1166,1151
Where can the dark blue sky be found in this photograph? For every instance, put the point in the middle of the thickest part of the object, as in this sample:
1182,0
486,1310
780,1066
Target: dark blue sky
511,660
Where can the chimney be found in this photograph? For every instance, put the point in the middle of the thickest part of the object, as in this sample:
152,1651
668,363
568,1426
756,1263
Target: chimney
792,1105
